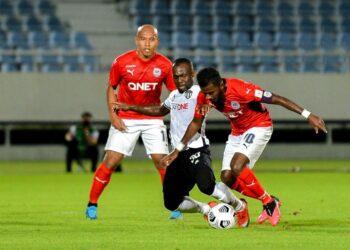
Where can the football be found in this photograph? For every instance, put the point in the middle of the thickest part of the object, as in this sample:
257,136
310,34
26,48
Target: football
222,216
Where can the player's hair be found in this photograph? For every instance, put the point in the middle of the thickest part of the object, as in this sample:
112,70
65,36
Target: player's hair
208,75
182,60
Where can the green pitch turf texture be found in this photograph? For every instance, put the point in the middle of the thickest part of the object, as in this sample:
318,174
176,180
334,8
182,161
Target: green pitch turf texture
44,208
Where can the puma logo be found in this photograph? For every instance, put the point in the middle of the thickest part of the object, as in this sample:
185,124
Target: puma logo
130,71
99,180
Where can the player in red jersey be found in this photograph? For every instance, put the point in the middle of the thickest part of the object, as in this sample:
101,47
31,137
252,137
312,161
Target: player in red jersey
242,103
139,74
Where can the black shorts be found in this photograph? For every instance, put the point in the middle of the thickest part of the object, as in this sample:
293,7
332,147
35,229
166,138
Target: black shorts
192,166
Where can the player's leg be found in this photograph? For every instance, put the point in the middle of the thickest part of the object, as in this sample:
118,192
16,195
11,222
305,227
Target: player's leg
200,164
154,137
118,145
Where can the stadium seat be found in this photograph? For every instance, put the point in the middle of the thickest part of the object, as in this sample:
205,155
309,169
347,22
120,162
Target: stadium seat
71,68
46,7
12,23
24,7
222,23
333,64
242,40
24,59
164,40
264,24
263,40
306,8
345,24
37,39
265,8
344,40
3,40
326,8
243,24
180,7
163,23
285,9
222,8
69,59
160,8
202,61
8,67
182,23
58,40
51,68
246,68
286,24
201,40
328,41
26,67
306,24
222,41
48,59
140,20
8,58
6,8
285,41
79,40
228,63
140,7
181,40
307,41
310,64
344,8
328,25
244,7
53,23
33,23
202,24
292,64
201,8
17,40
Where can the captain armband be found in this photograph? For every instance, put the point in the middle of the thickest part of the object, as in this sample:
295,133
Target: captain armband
266,97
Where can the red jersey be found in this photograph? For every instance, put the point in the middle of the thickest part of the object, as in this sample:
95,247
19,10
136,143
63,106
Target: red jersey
140,82
243,106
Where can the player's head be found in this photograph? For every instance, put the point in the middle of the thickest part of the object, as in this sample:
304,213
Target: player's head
183,73
146,41
86,118
212,85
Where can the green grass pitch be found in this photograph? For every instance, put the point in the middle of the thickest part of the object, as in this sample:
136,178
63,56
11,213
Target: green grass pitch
44,208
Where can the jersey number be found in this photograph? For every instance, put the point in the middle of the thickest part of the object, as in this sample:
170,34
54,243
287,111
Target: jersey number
249,138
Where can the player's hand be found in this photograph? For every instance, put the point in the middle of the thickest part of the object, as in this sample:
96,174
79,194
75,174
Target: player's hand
168,159
317,123
118,123
120,106
204,109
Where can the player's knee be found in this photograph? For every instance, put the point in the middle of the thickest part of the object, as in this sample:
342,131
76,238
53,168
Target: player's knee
227,177
207,188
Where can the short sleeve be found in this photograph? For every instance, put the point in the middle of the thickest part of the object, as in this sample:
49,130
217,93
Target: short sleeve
201,100
114,74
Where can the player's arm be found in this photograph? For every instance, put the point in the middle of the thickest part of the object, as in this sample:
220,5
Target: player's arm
315,121
115,119
192,129
156,110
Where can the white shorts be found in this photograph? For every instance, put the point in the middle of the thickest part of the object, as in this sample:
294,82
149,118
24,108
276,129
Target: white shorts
251,143
153,134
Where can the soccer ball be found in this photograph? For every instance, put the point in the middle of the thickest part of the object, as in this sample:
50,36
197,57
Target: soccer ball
222,216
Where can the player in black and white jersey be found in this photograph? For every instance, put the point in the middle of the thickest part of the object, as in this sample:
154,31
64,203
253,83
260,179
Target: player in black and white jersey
193,165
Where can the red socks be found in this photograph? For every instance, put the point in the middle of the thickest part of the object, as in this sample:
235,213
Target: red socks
247,184
162,174
101,179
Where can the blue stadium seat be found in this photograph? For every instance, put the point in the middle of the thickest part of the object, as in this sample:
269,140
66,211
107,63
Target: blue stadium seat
46,7
264,24
164,40
17,40
201,40
246,63
12,23
292,64
58,40
54,23
285,9
48,59
328,41
24,7
243,24
344,8
202,24
333,64
89,62
344,40
71,68
182,23
265,8
306,8
51,68
307,25
286,24
345,24
244,7
140,20
8,67
263,40
222,23
242,40
326,8
268,68
180,7
202,61
228,63
6,8
222,41
201,8
285,41
33,23
159,8
37,39
328,25
8,58
268,64
26,67
24,59
310,64
246,68
163,23
307,41
3,40
69,59
181,40
222,7
79,40
140,7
